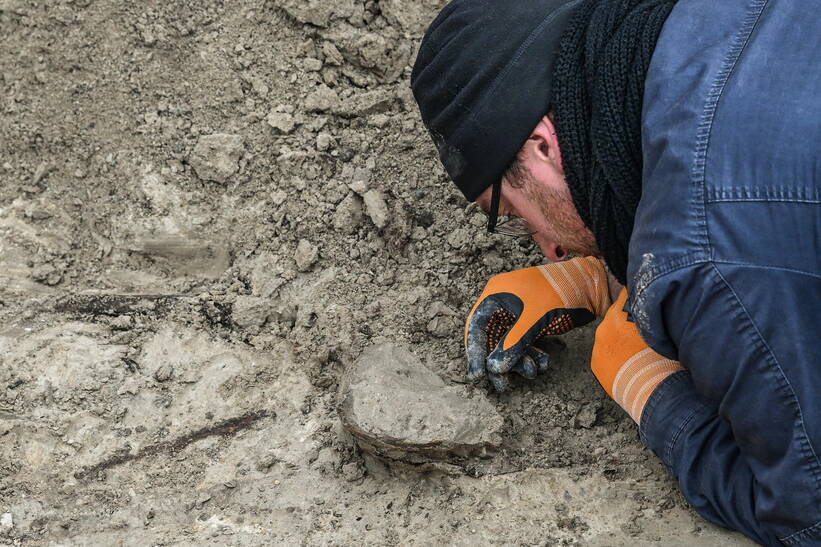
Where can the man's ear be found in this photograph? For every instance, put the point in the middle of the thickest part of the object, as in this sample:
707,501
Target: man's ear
543,145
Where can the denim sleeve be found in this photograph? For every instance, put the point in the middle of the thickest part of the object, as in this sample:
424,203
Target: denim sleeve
741,428
699,450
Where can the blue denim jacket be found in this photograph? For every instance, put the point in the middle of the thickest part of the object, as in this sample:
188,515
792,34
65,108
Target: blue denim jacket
725,261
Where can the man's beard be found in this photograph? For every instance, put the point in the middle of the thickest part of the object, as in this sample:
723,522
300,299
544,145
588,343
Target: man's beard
559,211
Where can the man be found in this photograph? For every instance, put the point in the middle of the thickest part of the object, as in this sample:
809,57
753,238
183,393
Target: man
680,144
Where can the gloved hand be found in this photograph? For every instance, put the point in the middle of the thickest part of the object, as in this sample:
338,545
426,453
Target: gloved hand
517,308
627,368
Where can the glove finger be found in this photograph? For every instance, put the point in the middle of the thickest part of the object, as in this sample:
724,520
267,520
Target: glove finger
526,367
501,361
476,340
487,325
558,321
541,358
500,382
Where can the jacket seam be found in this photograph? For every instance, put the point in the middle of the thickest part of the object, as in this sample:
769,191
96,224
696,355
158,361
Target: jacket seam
775,194
671,444
768,267
814,463
762,200
705,126
644,279
794,538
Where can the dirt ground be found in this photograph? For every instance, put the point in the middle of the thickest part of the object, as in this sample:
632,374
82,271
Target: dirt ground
207,211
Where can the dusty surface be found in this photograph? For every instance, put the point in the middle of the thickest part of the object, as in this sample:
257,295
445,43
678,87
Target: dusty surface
208,210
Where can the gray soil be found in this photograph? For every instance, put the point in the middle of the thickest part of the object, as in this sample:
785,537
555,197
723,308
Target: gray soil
208,210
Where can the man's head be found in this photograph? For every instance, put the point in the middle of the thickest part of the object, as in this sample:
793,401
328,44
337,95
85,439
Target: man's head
482,80
534,189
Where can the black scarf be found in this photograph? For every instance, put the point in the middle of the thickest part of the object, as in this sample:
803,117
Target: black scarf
598,84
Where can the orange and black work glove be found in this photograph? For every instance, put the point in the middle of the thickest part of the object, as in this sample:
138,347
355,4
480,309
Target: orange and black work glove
627,368
517,308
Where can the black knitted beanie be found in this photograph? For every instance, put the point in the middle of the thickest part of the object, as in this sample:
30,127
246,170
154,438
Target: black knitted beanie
482,81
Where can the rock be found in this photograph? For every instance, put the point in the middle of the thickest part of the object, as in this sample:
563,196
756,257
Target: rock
323,141
316,12
6,521
398,409
281,121
216,157
586,417
279,197
458,238
306,255
352,472
164,373
332,54
443,327
348,214
47,274
250,311
366,103
185,254
377,208
411,17
312,65
322,99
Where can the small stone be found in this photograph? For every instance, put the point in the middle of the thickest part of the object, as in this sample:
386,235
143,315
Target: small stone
442,326
47,274
279,197
379,120
311,65
377,208
332,54
266,462
366,103
321,100
323,141
458,238
250,311
216,157
6,521
586,417
352,472
281,121
398,409
306,255
164,373
259,87
348,214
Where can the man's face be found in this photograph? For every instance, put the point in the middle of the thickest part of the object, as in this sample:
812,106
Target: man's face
542,198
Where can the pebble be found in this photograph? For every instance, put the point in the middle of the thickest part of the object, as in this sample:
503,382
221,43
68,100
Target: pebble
250,311
6,521
443,327
348,214
306,255
323,141
366,103
279,197
377,208
332,54
395,407
216,157
163,373
281,121
352,472
322,100
47,274
312,65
